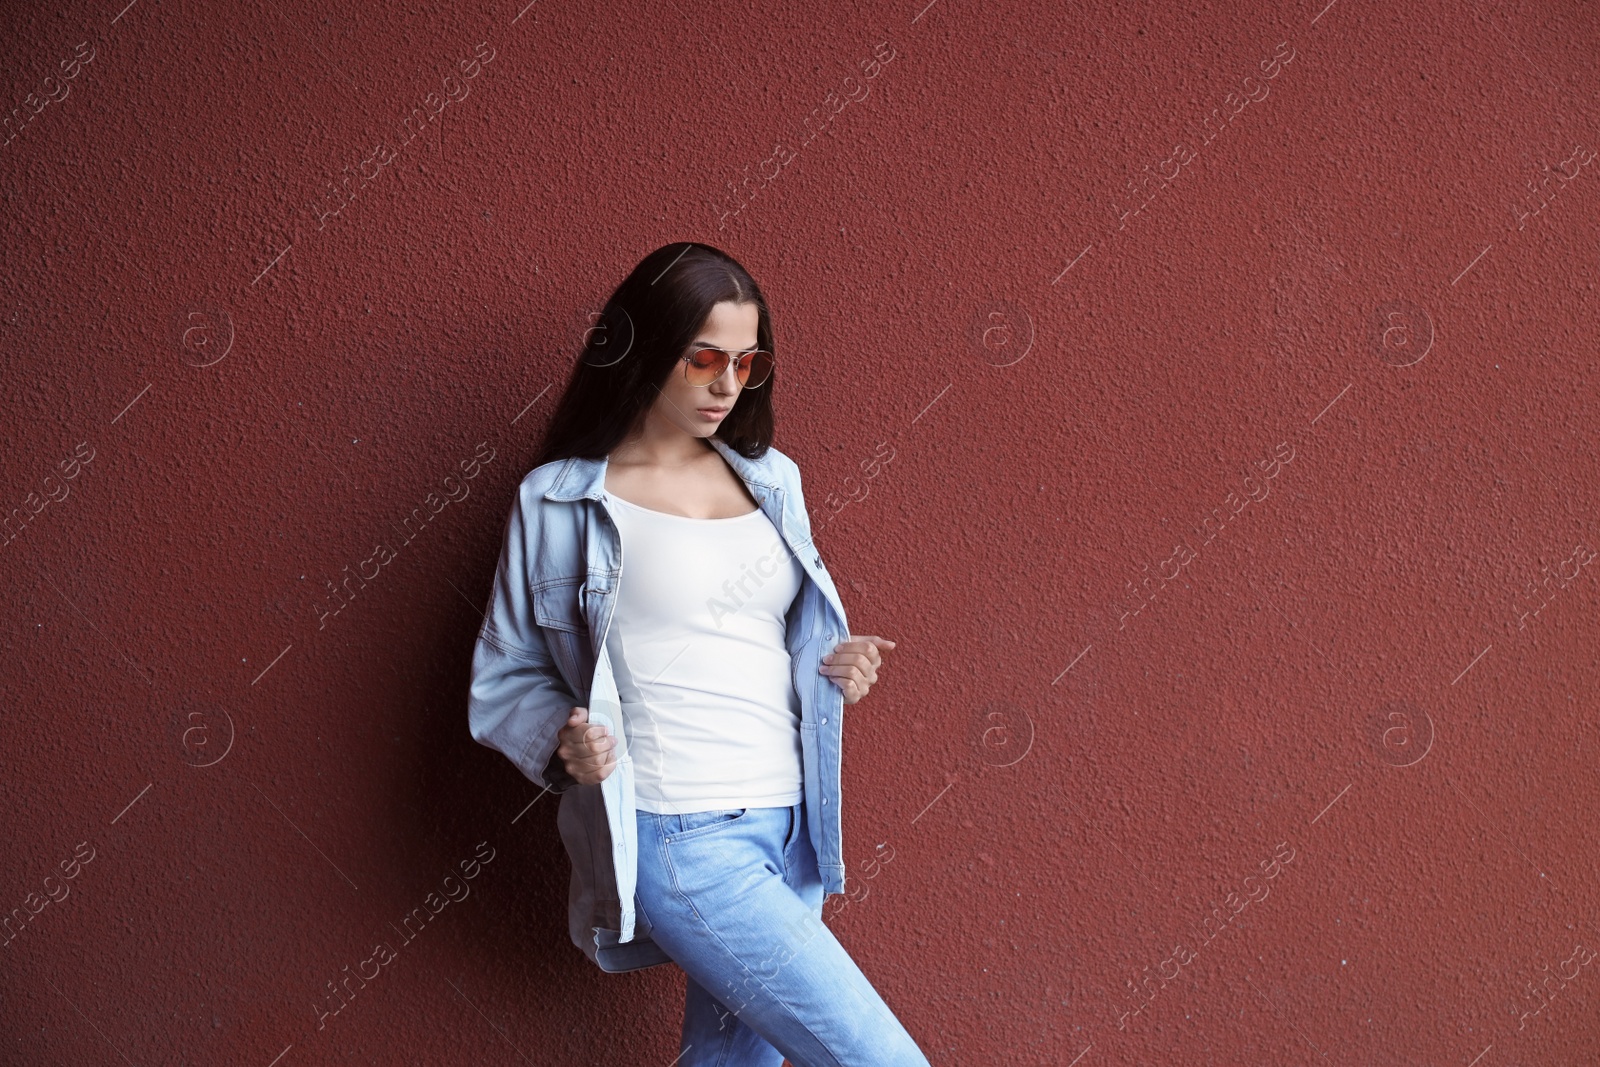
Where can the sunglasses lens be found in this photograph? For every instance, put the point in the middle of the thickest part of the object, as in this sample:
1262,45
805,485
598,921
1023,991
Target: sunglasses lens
705,366
755,369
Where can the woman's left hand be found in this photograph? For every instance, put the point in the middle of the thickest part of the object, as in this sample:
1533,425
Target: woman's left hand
853,665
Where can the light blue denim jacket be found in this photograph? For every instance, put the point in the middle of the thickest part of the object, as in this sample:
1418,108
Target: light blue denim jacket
542,650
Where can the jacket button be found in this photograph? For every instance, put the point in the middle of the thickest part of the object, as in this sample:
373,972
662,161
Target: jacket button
828,637
824,722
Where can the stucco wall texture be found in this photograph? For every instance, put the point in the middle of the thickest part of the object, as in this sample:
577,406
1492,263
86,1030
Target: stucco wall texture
1235,364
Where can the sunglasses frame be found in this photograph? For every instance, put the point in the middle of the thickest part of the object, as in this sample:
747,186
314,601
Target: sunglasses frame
733,360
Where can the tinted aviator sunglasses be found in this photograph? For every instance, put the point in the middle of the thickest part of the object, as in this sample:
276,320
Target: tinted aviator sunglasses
704,365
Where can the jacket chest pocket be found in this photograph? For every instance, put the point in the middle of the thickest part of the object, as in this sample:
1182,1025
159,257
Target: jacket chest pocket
558,609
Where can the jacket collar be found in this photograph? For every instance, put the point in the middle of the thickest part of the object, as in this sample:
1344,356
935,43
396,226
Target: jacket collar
583,477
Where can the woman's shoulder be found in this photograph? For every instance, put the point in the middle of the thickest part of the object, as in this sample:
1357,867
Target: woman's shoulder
555,483
543,477
768,460
780,462
545,474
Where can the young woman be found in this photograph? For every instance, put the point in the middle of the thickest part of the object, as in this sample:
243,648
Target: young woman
688,705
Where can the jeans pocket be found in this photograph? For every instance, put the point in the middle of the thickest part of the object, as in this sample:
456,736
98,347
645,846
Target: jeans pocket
700,823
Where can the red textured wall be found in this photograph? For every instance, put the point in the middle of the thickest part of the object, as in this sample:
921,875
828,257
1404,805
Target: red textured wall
1237,365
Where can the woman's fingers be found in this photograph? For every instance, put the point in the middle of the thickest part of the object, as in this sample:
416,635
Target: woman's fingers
588,750
592,769
851,665
863,651
854,684
596,767
870,644
596,747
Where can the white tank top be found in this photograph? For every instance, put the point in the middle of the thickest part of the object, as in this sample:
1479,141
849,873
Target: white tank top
709,708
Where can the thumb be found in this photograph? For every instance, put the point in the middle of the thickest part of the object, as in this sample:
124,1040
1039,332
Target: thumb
580,717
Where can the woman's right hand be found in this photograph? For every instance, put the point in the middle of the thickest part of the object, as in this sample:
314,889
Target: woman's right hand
589,752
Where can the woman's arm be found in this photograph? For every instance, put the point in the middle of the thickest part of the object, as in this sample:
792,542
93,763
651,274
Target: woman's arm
516,702
851,664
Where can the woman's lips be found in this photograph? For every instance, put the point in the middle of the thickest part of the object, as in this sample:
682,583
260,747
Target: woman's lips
713,414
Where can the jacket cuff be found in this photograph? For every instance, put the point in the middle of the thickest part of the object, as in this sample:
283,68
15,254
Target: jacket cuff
538,758
556,778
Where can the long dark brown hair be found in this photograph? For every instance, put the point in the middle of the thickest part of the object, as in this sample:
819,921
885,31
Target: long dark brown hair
640,336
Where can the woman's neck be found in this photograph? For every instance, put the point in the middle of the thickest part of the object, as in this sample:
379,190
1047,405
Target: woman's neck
668,450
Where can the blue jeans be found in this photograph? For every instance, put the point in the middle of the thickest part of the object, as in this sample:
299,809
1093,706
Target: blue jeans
735,898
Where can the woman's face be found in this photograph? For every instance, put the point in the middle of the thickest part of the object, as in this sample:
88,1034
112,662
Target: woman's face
699,410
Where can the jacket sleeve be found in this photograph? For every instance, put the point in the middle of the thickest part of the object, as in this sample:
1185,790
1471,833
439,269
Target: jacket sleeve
803,518
516,702
802,513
